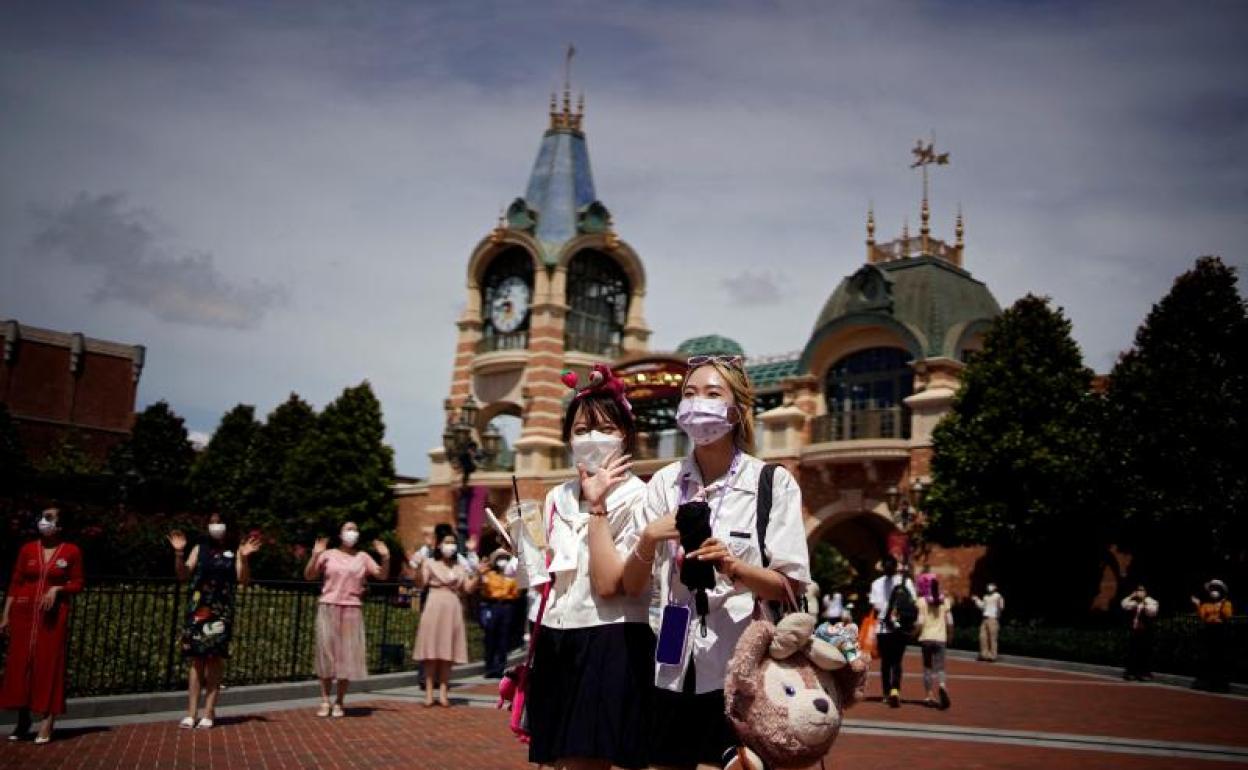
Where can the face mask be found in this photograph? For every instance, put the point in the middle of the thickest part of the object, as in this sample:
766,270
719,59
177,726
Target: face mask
1215,595
593,449
217,530
705,420
349,537
501,564
449,550
46,527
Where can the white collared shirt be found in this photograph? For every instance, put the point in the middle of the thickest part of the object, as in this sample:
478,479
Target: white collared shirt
734,514
573,603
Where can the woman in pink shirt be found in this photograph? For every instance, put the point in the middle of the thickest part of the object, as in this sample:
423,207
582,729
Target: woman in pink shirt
339,617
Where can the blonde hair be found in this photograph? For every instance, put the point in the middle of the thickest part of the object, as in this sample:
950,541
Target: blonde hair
743,394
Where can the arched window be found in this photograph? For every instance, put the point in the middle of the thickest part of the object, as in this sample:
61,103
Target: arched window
865,393
506,294
598,294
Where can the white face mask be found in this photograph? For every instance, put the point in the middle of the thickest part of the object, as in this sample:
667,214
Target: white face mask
449,550
705,420
593,449
46,527
349,537
502,564
217,530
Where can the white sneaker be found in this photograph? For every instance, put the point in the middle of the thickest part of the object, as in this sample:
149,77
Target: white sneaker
204,724
187,723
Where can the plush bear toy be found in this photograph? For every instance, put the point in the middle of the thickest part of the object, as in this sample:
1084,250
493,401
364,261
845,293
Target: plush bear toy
785,693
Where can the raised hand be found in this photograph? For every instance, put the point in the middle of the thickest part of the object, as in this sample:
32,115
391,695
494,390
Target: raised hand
594,488
321,544
381,549
249,546
176,539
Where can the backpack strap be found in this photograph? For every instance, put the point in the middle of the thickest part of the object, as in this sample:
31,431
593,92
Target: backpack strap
762,516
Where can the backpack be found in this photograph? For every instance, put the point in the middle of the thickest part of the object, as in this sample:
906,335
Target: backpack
902,612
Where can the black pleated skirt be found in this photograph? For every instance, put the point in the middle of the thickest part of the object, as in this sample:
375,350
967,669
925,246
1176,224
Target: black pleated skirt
687,728
590,694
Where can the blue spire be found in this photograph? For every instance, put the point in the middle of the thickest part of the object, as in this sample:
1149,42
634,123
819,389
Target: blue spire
561,186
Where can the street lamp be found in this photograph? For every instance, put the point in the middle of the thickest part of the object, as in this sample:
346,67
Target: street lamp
903,504
465,454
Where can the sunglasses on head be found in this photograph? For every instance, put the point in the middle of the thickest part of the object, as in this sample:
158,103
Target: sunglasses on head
733,361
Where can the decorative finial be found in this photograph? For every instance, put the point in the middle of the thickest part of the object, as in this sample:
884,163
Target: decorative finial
905,237
871,224
958,229
925,155
496,235
611,241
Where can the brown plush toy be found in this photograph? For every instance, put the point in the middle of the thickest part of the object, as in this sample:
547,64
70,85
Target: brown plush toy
785,693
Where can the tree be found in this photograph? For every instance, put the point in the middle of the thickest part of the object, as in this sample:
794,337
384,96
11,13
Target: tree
1014,462
293,421
154,463
342,470
221,477
1178,434
14,466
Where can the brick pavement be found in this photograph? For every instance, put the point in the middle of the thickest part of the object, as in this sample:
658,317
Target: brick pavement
1003,717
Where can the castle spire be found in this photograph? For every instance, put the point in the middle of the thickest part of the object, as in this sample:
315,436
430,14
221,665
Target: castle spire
562,117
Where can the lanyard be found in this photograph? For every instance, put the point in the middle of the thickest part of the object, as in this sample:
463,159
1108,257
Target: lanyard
684,498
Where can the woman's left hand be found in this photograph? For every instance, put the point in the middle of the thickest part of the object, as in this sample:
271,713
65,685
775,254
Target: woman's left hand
381,549
249,546
714,551
594,488
49,598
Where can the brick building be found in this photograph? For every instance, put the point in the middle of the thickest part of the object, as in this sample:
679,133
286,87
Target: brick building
59,384
851,413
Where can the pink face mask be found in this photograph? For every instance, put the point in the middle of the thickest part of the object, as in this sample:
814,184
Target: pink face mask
705,420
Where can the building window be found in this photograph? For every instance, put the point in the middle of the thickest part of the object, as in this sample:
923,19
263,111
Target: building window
598,294
506,294
866,394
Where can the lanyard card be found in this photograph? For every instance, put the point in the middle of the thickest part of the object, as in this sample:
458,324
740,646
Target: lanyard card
673,635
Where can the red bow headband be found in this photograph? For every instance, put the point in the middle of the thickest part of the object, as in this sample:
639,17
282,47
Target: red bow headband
601,380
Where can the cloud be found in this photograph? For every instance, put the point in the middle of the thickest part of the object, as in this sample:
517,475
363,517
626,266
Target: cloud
750,289
136,269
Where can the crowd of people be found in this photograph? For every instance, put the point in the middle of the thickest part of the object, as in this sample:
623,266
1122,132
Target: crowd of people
712,540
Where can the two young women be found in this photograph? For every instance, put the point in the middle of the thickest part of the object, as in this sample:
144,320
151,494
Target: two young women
597,695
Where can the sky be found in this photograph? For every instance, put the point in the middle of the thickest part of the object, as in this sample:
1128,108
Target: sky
283,196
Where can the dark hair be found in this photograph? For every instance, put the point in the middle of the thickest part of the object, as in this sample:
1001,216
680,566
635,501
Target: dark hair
602,409
888,563
442,531
232,535
933,592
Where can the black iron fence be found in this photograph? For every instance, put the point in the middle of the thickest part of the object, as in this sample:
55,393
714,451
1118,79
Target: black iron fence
123,634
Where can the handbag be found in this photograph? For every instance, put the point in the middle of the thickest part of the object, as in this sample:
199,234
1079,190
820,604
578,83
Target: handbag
867,633
513,690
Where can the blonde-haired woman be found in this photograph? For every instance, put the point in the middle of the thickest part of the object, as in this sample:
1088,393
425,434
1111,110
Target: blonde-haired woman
717,412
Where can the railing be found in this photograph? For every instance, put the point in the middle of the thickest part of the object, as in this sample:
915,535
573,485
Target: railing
591,343
893,423
514,341
123,634
661,444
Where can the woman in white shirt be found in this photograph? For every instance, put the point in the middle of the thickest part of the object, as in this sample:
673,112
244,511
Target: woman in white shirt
689,726
590,694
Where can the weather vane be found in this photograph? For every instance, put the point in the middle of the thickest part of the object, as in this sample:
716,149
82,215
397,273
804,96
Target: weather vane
925,155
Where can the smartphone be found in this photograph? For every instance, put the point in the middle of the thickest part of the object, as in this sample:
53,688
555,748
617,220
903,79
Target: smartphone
673,633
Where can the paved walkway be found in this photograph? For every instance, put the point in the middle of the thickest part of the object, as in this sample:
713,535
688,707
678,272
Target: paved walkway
1002,717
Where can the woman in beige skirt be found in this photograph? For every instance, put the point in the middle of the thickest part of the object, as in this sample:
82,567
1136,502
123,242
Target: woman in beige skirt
441,638
339,613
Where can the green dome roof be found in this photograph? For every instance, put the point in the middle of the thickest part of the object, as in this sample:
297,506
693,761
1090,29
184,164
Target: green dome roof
930,301
710,345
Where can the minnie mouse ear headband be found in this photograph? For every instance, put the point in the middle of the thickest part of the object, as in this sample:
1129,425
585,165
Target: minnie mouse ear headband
600,380
1212,584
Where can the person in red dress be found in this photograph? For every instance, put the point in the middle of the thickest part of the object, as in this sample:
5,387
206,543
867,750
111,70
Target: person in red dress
36,617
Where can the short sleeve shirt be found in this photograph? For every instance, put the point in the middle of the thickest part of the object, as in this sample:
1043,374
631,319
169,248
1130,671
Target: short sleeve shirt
734,508
344,576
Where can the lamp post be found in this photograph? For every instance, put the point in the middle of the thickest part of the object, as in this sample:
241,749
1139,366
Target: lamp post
465,454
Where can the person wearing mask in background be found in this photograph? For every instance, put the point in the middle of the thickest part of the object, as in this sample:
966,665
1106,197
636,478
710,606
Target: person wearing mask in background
48,571
935,625
340,645
498,598
833,607
441,638
715,488
589,692
1214,613
215,566
992,604
891,637
1141,612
